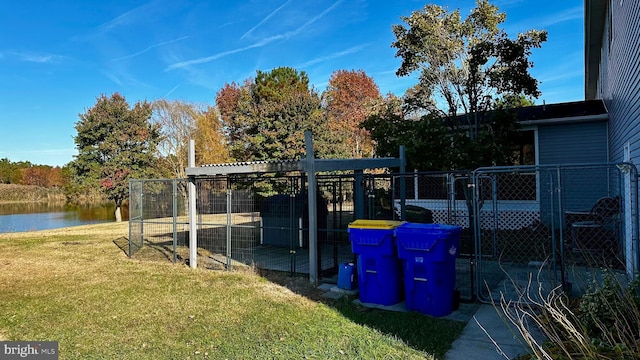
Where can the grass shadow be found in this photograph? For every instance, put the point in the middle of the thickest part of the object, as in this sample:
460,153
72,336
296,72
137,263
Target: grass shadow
421,332
123,244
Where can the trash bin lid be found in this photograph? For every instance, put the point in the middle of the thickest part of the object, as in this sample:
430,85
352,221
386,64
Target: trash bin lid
412,236
375,224
410,227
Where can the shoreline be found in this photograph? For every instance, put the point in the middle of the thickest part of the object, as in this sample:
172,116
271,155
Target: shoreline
83,230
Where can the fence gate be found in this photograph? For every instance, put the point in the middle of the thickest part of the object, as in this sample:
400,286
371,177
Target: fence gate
515,232
540,228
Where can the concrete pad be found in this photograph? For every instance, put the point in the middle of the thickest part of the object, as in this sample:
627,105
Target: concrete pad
399,307
464,313
487,335
344,291
325,286
332,295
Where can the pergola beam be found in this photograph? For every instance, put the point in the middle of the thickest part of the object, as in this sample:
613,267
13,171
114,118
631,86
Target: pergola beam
310,165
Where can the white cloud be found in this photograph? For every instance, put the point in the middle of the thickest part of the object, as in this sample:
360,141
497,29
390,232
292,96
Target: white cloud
149,48
573,13
261,43
264,20
202,60
31,57
335,55
171,91
129,17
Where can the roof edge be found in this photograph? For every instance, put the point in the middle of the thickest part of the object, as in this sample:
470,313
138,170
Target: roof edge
594,20
564,120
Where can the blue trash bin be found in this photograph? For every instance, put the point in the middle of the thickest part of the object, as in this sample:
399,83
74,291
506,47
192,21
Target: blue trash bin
378,267
428,253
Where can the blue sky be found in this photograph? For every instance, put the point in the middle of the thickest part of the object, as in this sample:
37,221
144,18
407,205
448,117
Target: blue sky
57,57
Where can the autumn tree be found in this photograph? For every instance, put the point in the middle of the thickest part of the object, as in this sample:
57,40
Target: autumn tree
26,173
265,119
57,177
235,104
115,143
465,67
36,175
176,122
348,101
180,121
210,144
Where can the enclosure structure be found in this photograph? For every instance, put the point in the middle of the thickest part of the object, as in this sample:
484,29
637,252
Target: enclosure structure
522,227
309,167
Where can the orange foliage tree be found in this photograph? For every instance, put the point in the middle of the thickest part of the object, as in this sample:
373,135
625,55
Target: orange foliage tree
348,101
36,175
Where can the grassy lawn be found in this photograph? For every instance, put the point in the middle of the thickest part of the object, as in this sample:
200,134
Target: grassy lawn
76,286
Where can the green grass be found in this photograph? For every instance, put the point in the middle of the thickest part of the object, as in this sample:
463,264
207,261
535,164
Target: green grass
76,286
423,333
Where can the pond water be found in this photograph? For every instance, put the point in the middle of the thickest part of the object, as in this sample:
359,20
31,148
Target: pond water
17,217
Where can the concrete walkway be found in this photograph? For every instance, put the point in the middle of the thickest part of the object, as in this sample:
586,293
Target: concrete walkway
487,336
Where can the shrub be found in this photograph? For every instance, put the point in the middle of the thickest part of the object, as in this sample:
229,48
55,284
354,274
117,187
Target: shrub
604,323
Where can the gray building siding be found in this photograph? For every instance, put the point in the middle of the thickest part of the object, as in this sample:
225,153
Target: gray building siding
572,143
583,143
619,77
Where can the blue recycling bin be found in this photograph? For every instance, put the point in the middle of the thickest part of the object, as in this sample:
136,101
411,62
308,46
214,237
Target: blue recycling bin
428,253
379,270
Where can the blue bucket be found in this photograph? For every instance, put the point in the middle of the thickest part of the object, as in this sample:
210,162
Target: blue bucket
346,274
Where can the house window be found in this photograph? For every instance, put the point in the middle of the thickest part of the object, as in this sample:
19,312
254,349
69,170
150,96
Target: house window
524,152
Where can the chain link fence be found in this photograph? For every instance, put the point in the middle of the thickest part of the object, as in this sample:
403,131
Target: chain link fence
526,228
539,228
522,227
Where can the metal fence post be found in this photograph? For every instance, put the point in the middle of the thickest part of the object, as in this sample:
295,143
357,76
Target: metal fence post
174,184
141,212
130,222
313,209
193,231
228,254
403,186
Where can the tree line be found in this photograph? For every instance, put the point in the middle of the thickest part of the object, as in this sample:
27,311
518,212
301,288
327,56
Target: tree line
26,173
457,116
